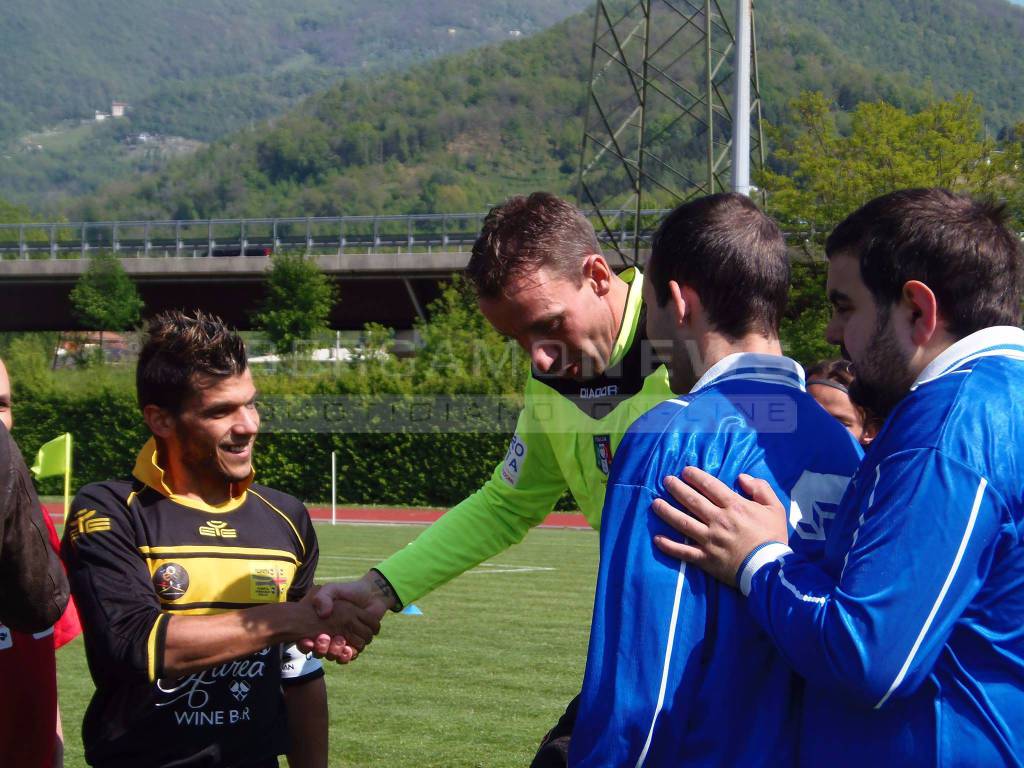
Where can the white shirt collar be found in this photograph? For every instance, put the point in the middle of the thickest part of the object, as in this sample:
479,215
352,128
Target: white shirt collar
998,340
752,366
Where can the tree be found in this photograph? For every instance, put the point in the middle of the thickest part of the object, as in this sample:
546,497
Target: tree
105,298
298,302
828,174
461,352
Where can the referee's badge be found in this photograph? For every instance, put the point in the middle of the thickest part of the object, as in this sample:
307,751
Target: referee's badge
603,452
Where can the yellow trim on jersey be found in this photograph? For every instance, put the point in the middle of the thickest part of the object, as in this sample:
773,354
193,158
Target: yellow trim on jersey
200,549
151,645
298,538
148,470
224,583
202,611
630,314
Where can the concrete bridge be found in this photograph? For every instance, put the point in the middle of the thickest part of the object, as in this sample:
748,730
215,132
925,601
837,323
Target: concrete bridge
388,268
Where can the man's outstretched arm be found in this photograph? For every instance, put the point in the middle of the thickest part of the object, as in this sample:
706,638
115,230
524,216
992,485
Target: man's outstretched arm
193,643
522,490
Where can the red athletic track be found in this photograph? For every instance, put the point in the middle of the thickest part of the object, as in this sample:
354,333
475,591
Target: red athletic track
386,515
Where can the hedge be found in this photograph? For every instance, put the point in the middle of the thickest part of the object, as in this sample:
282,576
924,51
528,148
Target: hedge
416,469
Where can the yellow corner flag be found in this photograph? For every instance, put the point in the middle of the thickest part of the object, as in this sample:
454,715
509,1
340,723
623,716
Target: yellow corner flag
54,458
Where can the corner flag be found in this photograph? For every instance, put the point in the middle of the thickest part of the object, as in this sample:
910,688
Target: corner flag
54,458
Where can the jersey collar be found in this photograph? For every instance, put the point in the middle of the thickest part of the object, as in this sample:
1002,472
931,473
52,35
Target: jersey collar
148,470
998,341
752,366
630,315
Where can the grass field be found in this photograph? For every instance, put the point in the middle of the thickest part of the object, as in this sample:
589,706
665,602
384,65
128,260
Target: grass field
475,681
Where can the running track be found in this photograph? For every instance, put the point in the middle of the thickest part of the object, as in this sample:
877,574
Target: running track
385,516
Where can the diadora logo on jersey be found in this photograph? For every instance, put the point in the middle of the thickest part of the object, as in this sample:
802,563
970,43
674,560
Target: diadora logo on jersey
87,521
592,393
813,502
170,581
267,583
218,529
603,452
513,460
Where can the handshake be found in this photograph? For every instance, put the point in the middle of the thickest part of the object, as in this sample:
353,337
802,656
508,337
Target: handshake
351,613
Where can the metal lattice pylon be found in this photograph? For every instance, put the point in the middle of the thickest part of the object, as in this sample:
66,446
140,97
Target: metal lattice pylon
658,124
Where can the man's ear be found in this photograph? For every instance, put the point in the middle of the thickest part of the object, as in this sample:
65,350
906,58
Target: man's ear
681,298
921,306
159,420
597,269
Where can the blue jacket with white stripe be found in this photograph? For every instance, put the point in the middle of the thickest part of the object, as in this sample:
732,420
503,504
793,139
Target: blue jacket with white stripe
910,632
678,673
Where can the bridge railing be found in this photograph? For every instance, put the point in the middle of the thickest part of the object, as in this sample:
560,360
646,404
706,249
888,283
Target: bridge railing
318,234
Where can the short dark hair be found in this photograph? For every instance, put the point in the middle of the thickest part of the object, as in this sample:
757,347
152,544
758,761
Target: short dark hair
524,234
960,248
840,371
180,346
732,255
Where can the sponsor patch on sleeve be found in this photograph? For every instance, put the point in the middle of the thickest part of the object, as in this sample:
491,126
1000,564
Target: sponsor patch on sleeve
296,664
514,460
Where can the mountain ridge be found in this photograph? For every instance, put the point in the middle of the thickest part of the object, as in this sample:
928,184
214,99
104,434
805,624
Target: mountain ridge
76,56
466,130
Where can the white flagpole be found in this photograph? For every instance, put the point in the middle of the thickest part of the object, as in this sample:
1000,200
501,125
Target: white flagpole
741,107
67,477
334,487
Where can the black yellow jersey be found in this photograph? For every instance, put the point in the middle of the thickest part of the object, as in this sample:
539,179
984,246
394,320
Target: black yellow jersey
137,556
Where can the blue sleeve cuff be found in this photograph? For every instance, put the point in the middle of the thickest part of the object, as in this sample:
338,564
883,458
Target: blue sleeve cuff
759,556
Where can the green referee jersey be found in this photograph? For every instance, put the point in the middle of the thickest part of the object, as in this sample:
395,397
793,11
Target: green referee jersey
566,437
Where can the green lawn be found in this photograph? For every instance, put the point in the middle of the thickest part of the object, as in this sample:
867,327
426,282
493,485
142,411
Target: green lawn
475,681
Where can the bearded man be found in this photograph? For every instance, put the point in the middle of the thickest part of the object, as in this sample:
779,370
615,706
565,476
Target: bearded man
909,632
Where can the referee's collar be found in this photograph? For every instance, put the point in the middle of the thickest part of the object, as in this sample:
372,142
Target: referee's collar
997,341
753,366
148,470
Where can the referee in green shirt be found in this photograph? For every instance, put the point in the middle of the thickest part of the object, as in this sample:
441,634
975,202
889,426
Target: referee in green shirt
542,281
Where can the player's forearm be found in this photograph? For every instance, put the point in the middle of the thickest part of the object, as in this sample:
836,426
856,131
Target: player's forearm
468,534
194,643
306,705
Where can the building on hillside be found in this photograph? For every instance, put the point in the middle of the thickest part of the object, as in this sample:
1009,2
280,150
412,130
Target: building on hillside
117,108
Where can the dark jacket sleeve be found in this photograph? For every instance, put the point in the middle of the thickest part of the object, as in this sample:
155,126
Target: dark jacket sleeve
33,587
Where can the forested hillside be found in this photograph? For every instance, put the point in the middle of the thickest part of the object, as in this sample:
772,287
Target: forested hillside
467,130
197,68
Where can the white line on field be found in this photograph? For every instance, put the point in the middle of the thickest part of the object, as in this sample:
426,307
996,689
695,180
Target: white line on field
482,568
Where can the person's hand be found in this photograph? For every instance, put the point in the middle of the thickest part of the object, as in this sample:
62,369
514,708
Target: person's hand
339,649
372,593
352,625
722,526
